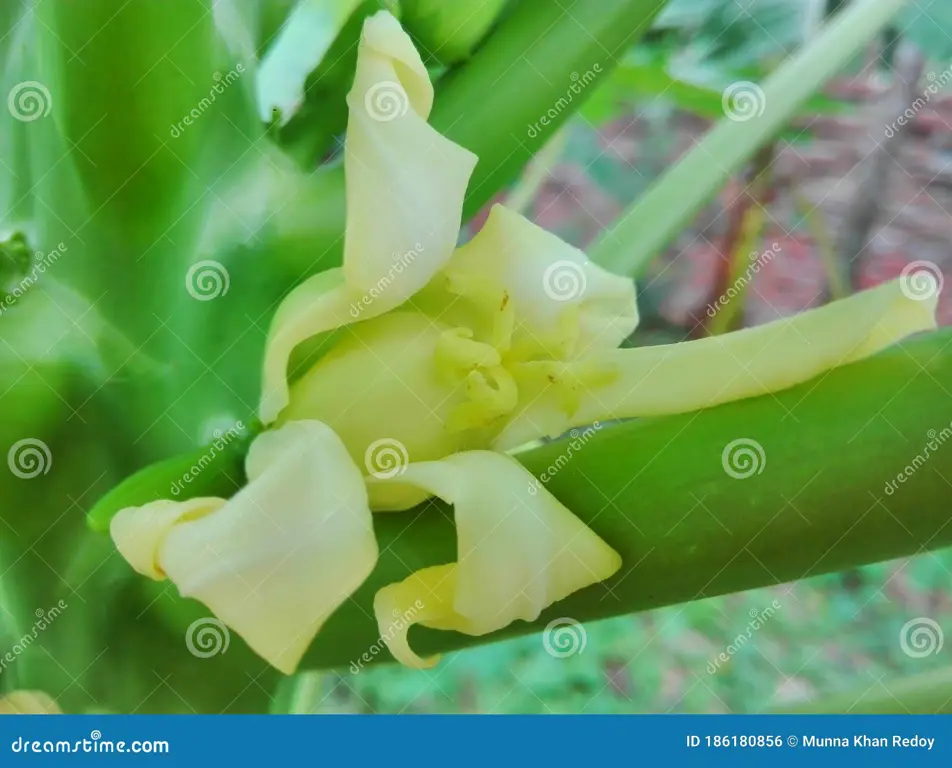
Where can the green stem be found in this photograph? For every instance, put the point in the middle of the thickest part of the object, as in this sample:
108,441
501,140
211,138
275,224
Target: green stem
740,260
657,491
630,244
836,276
528,78
928,693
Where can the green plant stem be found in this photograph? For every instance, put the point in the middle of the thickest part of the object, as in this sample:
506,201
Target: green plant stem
928,693
743,233
730,313
655,219
539,64
836,277
657,491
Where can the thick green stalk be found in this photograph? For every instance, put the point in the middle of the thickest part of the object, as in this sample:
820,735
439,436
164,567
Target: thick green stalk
656,218
928,693
127,82
657,491
529,77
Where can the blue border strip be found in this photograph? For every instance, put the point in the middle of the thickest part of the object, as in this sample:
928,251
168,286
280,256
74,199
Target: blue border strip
449,741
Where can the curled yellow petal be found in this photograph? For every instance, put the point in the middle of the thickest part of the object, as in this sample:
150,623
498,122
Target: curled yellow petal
320,304
519,549
405,182
278,558
674,378
28,703
424,596
564,306
404,195
139,535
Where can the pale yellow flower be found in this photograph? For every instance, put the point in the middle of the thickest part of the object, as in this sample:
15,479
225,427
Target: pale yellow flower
446,357
28,703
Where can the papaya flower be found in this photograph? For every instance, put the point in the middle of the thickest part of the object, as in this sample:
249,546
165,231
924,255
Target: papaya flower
417,368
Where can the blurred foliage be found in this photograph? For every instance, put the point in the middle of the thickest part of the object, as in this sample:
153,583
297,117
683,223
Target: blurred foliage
927,23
